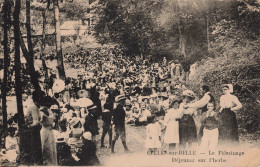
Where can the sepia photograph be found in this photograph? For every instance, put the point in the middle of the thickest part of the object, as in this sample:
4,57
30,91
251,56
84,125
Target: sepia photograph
130,83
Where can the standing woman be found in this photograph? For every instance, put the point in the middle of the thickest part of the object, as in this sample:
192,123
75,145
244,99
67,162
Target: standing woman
49,151
187,127
228,131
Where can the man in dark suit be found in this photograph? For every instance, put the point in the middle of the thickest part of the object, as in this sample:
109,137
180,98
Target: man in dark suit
119,122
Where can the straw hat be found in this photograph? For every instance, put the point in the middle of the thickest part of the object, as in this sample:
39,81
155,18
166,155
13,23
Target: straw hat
87,135
188,93
120,98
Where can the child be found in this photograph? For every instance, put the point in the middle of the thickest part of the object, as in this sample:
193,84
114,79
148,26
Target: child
87,153
134,115
76,131
107,126
171,136
142,120
64,155
153,135
210,124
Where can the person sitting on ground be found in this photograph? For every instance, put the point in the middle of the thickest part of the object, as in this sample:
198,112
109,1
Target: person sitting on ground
134,115
76,130
142,120
87,153
64,155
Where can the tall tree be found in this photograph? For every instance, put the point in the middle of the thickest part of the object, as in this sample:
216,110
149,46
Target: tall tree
30,56
17,67
24,145
60,67
7,22
43,45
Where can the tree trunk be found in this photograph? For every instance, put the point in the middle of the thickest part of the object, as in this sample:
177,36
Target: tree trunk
182,42
30,57
58,40
208,40
24,145
42,54
17,66
6,26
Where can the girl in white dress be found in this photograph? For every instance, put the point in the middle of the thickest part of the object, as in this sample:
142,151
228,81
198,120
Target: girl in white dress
153,135
171,136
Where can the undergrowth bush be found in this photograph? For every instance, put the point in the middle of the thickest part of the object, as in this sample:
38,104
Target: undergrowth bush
236,62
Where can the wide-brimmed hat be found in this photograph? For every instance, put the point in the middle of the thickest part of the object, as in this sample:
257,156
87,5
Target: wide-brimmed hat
87,135
91,106
83,102
188,93
120,98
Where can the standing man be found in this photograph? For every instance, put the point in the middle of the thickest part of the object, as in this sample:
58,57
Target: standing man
202,103
119,122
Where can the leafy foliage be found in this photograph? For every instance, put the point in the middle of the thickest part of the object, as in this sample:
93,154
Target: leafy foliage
236,61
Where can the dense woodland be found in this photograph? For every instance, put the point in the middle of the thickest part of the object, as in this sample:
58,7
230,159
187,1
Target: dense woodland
221,37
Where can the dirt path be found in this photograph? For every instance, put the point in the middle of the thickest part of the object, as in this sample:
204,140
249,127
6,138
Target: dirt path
135,137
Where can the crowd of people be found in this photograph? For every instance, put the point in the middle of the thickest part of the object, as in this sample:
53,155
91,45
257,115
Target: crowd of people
63,123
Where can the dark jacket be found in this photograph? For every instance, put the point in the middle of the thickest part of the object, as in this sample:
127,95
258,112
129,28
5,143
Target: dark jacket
106,117
119,115
211,123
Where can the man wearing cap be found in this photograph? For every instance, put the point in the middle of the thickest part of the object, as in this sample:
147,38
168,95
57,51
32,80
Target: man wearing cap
119,122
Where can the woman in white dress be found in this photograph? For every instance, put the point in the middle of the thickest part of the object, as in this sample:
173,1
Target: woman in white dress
171,136
49,150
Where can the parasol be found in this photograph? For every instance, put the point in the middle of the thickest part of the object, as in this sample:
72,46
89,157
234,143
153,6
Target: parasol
83,102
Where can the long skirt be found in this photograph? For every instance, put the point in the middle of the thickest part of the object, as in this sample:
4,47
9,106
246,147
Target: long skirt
228,130
172,132
49,150
187,130
36,145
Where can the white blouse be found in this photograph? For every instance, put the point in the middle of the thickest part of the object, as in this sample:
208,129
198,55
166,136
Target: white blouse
229,101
